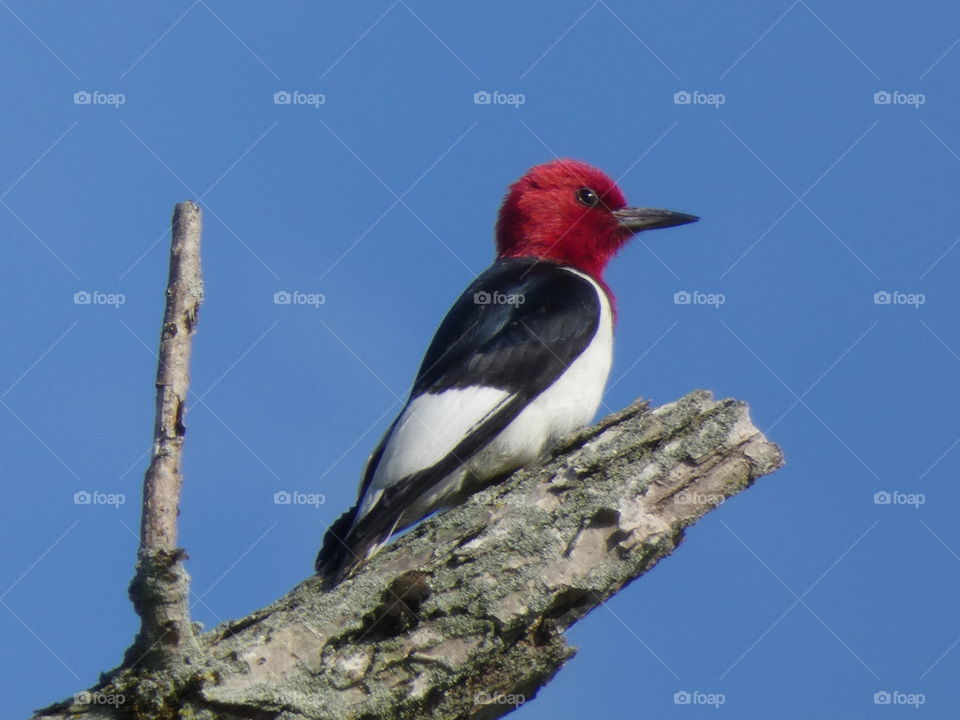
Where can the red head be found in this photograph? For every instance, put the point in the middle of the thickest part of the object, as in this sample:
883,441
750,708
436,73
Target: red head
571,213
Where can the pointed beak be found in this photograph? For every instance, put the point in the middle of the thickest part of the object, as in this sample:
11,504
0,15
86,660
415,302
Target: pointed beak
635,219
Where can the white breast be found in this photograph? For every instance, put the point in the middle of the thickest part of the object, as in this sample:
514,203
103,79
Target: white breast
568,404
433,424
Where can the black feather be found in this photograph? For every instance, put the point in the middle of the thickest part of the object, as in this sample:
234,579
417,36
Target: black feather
517,327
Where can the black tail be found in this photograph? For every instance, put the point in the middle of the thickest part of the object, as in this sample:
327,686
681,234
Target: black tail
347,543
337,556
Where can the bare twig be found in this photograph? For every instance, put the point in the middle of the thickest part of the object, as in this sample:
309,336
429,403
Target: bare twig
160,588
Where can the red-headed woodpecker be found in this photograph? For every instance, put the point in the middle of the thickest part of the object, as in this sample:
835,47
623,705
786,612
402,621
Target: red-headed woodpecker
520,360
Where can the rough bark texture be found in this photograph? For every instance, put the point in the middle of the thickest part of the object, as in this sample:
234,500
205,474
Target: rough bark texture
159,590
464,616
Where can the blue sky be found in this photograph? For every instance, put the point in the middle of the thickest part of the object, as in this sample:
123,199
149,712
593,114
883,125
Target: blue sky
820,146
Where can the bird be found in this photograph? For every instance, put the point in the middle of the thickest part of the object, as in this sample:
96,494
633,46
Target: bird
520,360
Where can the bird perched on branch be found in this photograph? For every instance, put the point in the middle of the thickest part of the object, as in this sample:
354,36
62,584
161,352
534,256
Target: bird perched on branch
520,360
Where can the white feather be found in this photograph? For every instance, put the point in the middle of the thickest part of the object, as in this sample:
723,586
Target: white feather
429,428
433,424
568,404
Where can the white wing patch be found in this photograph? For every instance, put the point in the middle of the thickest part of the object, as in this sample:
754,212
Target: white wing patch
433,424
430,427
567,405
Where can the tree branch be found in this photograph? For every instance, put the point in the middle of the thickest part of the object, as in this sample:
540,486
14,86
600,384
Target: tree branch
160,588
464,616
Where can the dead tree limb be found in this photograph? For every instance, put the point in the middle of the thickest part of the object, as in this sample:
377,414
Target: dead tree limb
160,588
465,616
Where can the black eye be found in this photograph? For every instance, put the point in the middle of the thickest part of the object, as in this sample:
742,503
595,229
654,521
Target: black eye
586,196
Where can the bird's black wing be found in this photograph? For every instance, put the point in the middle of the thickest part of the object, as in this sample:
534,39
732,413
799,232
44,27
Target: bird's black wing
516,328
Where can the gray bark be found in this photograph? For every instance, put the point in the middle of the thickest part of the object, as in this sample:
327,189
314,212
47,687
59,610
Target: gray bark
465,616
160,588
